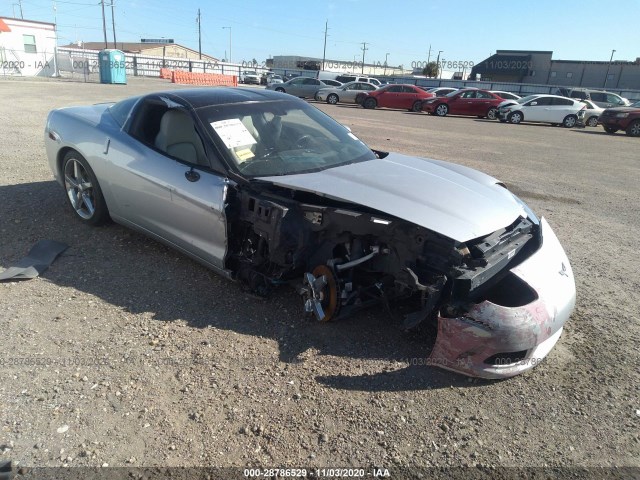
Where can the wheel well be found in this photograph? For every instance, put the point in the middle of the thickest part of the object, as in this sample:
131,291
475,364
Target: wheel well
61,153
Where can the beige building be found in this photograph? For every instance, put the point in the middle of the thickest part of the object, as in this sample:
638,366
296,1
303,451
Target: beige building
170,50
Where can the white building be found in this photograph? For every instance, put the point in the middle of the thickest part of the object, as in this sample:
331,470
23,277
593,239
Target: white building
26,47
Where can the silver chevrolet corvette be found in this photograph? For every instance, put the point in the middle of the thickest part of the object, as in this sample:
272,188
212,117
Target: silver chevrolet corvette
266,189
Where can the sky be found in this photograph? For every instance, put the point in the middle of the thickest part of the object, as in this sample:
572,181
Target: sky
468,31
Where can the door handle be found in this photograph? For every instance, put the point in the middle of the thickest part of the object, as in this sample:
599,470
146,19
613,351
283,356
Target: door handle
192,175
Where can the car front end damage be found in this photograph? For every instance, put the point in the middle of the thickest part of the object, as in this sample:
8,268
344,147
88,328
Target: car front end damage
499,300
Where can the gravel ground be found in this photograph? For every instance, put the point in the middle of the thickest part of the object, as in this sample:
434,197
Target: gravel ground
126,353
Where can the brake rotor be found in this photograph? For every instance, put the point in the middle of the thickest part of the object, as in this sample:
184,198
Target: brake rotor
330,293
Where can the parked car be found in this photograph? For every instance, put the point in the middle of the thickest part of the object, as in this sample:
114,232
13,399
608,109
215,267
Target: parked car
589,116
468,101
396,96
622,118
345,93
542,108
358,78
265,189
442,91
274,79
506,95
303,87
250,77
600,98
269,77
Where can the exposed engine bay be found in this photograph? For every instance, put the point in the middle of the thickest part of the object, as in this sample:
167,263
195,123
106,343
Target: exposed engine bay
350,257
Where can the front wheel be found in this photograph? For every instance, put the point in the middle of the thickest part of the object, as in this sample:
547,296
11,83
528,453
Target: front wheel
569,121
280,89
332,99
83,190
515,117
416,107
492,114
610,129
370,103
442,110
633,130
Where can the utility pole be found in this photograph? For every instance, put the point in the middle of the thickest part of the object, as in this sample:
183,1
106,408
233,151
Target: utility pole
606,77
385,64
199,36
113,25
56,73
104,25
229,42
429,55
20,3
438,64
324,50
364,49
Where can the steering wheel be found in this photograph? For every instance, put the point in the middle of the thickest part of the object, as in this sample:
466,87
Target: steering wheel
305,141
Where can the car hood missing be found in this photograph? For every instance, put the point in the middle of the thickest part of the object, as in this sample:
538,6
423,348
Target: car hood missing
453,200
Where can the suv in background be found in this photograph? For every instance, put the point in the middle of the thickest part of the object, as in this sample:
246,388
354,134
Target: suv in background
622,118
600,98
356,78
250,76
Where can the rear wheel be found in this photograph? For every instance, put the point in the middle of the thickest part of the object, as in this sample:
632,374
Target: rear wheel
370,103
592,122
515,117
633,130
442,110
417,106
280,89
83,190
611,129
569,121
332,99
492,114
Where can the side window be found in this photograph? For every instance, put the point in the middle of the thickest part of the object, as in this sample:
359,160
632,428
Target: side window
579,94
469,94
564,102
395,89
613,99
29,43
297,81
120,111
367,86
539,102
311,81
599,97
408,89
483,95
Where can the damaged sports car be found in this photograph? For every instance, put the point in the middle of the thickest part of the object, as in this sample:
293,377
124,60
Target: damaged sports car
268,190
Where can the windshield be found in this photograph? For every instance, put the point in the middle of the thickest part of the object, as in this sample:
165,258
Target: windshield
636,104
281,138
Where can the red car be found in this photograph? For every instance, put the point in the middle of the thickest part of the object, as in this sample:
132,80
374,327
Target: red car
622,118
397,96
471,101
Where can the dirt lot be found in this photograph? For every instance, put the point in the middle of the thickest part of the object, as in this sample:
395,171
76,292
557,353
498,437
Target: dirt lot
156,361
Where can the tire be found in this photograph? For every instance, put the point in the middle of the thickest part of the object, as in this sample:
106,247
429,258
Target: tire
492,113
633,130
416,107
441,110
280,89
83,190
569,121
370,103
515,118
592,121
611,129
333,99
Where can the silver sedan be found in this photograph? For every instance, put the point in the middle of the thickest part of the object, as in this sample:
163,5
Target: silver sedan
303,87
346,93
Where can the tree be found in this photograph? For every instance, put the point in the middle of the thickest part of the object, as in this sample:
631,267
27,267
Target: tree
431,70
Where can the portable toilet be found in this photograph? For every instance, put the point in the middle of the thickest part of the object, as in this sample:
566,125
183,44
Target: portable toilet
112,66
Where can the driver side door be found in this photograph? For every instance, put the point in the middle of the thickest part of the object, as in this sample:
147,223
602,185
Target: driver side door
176,201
